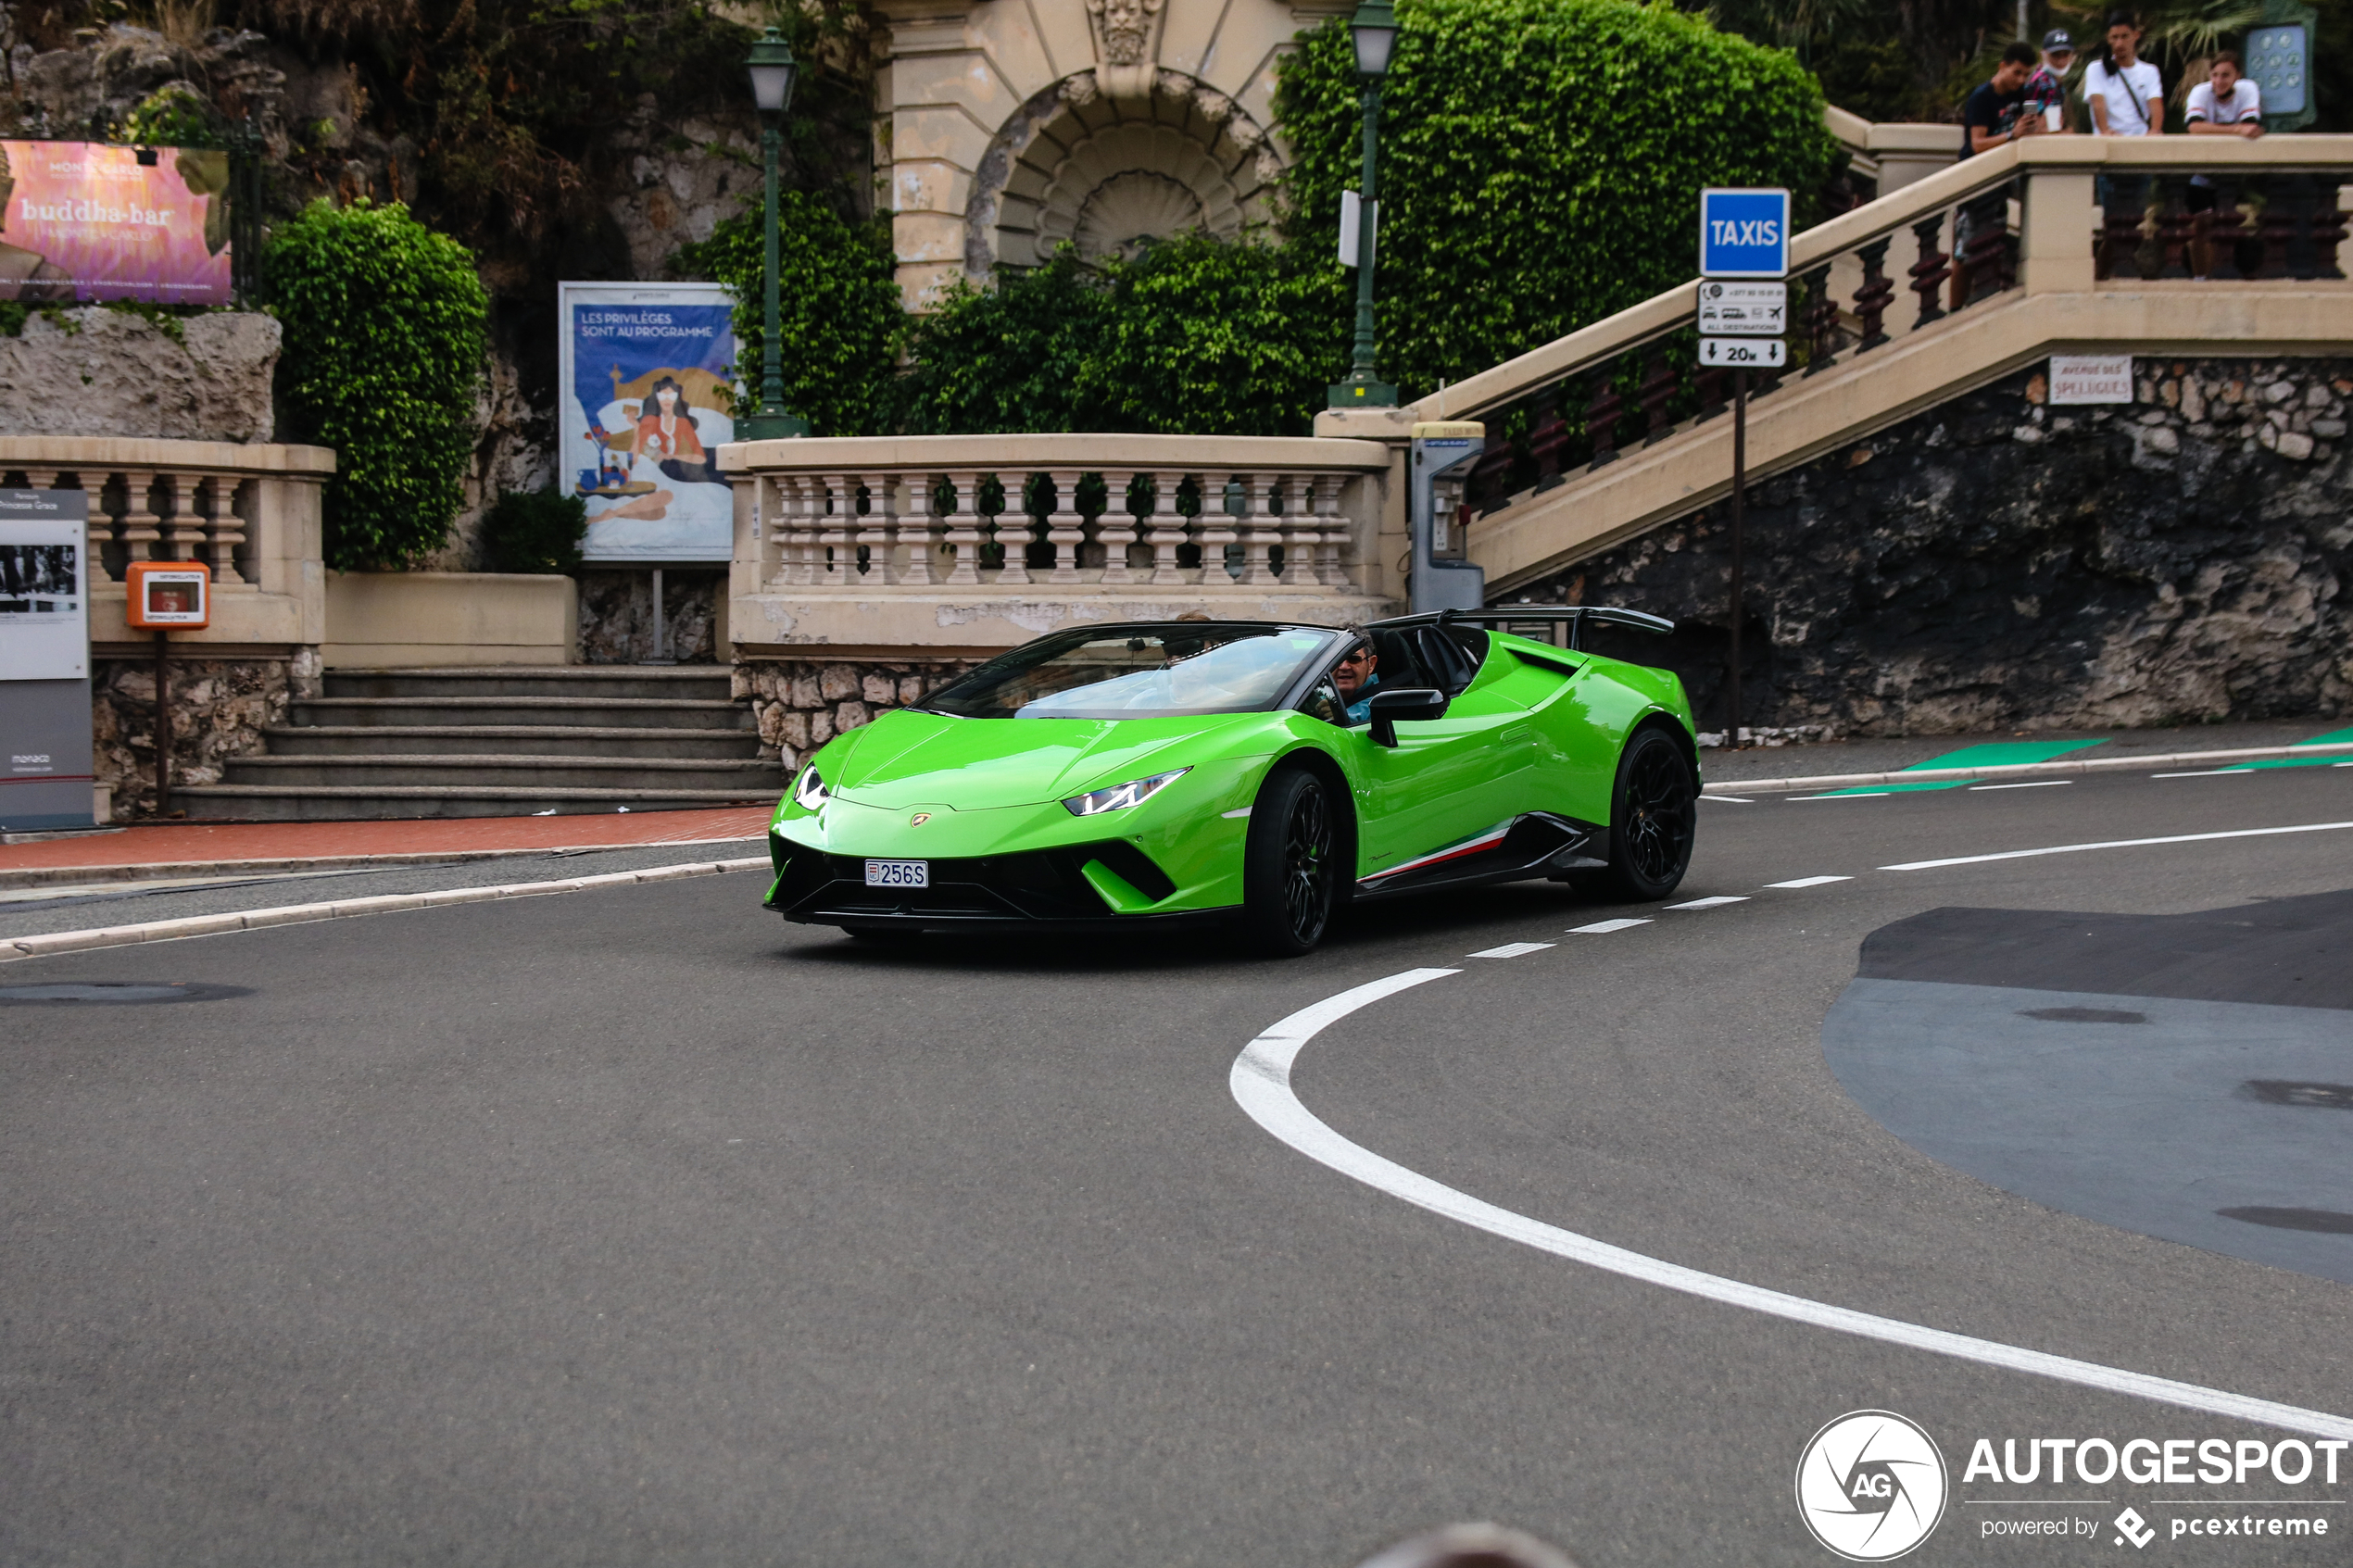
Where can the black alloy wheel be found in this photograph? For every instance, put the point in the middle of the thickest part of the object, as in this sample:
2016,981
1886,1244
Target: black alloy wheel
1653,815
1290,874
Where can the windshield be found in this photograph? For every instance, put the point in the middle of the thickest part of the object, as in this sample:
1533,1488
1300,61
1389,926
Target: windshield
1137,672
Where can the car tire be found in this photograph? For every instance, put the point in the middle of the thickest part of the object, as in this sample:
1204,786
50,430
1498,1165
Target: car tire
1653,811
1290,868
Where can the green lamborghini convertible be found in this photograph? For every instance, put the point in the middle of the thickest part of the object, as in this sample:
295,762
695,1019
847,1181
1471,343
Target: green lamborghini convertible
1248,773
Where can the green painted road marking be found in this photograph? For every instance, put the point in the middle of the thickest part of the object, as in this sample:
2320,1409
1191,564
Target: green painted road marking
2336,761
2334,737
1894,788
2004,754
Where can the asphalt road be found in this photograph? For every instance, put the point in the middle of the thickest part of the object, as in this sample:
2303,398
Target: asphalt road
634,1226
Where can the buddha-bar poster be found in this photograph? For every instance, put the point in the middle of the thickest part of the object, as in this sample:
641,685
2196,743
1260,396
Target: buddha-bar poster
80,221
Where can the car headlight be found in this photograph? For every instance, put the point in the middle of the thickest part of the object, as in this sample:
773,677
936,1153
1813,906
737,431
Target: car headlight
809,791
1118,798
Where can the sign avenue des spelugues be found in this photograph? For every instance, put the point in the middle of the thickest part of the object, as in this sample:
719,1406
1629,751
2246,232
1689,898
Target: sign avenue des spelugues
1872,1485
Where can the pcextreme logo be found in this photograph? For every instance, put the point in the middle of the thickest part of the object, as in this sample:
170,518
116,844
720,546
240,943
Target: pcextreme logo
1872,1486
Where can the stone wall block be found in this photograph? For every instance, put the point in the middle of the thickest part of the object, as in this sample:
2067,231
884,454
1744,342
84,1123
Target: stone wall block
878,688
910,687
851,716
839,681
128,378
820,727
805,692
792,728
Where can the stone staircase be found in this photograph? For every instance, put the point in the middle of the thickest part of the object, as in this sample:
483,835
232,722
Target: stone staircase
499,743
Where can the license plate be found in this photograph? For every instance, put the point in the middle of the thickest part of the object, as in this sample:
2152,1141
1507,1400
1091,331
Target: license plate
899,873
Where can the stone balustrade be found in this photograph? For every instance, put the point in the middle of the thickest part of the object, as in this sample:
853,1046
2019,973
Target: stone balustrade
964,544
249,512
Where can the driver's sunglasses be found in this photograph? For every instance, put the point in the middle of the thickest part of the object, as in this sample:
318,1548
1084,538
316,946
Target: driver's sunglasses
1360,657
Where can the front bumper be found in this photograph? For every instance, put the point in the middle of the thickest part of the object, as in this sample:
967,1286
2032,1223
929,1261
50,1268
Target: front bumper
1075,886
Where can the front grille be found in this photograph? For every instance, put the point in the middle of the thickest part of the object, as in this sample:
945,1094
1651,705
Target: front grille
1043,885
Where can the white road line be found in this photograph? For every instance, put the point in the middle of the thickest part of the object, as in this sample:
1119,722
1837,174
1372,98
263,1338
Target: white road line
1718,902
1730,800
1261,1084
1809,882
1604,927
2204,773
2114,844
1511,949
2030,783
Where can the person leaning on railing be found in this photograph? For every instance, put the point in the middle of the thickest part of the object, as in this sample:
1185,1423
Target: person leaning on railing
2225,104
1994,116
2127,98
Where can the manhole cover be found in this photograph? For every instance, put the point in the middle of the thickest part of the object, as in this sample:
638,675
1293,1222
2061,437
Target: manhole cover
2327,1221
115,993
2280,1091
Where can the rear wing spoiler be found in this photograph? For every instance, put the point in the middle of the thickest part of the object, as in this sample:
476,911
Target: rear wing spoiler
1571,619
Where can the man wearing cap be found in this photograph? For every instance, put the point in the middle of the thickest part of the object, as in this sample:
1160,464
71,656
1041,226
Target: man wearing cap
2046,89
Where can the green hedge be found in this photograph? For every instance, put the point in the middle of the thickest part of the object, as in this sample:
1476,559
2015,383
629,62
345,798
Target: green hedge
533,531
837,308
386,339
1541,164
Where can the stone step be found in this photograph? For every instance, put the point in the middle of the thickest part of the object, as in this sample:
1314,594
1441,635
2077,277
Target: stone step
269,803
691,682
600,713
747,778
454,740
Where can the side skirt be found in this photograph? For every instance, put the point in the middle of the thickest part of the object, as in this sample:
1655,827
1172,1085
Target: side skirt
1536,845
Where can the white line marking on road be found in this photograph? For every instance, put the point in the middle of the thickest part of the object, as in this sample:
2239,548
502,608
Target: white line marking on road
1511,949
1809,882
2114,844
1718,902
1847,795
1229,816
1261,1085
2205,773
1604,927
1745,801
2030,783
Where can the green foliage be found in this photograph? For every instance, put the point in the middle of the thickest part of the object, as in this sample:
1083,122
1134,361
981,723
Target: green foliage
838,302
533,531
1869,73
1541,162
386,338
1196,335
13,314
172,115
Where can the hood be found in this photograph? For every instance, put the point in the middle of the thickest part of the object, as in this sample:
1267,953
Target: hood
904,759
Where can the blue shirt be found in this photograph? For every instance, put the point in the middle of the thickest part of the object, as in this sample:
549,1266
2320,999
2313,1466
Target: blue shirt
1361,711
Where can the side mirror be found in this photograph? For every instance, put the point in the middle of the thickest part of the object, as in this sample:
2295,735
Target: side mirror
1411,702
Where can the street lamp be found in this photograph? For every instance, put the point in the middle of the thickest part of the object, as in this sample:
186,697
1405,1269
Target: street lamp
1374,32
772,69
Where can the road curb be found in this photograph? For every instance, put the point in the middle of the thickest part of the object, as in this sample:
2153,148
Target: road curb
2022,769
385,903
157,870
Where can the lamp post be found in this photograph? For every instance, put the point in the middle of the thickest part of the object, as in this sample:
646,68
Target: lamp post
1374,30
772,69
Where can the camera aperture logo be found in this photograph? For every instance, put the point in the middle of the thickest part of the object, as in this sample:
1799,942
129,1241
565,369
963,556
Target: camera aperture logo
1872,1486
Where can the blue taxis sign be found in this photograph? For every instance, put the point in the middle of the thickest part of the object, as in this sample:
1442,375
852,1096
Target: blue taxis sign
1744,234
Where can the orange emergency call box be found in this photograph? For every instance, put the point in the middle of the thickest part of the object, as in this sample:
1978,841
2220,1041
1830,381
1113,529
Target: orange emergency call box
165,594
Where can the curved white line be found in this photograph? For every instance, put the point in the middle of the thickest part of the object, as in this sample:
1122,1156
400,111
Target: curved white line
1261,1082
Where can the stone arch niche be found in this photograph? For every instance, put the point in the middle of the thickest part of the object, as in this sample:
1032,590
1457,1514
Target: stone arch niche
1077,166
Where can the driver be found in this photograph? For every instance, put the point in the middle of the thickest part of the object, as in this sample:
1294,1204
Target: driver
1356,675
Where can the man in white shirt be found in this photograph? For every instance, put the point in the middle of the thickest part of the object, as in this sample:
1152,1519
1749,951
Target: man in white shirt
2126,97
2225,104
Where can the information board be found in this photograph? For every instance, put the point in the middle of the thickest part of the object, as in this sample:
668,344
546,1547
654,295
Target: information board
2091,378
646,373
80,221
45,752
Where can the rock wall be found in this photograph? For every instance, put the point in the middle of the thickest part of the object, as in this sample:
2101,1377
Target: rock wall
219,709
88,370
1998,562
801,706
617,616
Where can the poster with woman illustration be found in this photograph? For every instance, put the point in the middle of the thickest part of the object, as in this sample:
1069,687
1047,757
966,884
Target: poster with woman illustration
646,373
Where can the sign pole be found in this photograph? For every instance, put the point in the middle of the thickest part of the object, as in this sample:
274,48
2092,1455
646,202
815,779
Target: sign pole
163,722
1739,483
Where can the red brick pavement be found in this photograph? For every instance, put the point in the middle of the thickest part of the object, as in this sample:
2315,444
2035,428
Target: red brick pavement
139,849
